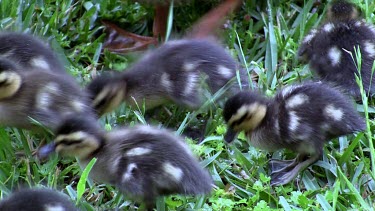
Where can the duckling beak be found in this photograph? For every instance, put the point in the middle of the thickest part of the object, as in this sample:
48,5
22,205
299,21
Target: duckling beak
230,135
46,150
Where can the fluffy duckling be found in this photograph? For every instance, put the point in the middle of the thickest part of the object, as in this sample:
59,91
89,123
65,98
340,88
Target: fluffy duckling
330,52
29,52
143,162
43,96
300,118
37,199
171,73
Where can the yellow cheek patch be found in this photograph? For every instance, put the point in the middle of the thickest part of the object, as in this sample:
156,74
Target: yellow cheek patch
115,96
82,144
11,84
253,113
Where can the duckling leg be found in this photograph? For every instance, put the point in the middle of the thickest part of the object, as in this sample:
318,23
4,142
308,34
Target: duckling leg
288,173
276,164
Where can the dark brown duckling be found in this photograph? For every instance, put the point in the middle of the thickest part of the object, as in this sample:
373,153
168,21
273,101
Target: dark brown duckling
39,199
143,162
300,118
171,73
330,49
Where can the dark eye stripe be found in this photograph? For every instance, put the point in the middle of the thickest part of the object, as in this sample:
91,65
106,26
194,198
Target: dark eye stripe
70,142
4,82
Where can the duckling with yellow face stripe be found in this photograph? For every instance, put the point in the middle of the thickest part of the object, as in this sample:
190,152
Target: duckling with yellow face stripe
300,118
143,162
331,49
38,199
171,73
34,94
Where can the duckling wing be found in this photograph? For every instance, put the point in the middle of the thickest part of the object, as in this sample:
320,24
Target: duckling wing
155,161
314,113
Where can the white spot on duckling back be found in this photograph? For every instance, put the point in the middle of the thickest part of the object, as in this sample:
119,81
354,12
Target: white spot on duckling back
54,207
333,112
115,164
224,71
191,82
293,121
369,48
166,81
328,27
310,36
138,151
44,97
189,66
77,105
39,62
358,24
371,27
128,174
335,55
277,126
175,172
297,100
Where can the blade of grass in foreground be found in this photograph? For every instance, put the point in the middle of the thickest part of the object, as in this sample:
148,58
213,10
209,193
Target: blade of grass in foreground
82,181
354,191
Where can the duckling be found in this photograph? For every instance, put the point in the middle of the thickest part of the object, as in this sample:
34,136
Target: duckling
143,162
171,73
300,118
29,52
35,94
41,199
330,49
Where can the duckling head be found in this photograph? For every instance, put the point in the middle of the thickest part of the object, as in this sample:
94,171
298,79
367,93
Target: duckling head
10,79
77,136
342,10
107,93
243,112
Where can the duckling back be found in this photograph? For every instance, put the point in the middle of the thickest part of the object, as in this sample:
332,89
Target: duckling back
29,52
300,115
313,113
331,52
37,199
145,162
174,72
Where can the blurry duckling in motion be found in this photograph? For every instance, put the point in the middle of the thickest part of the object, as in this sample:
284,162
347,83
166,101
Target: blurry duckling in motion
300,118
330,49
143,162
170,73
29,53
41,199
35,94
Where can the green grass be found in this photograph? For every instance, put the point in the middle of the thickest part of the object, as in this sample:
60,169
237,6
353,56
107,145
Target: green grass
264,38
